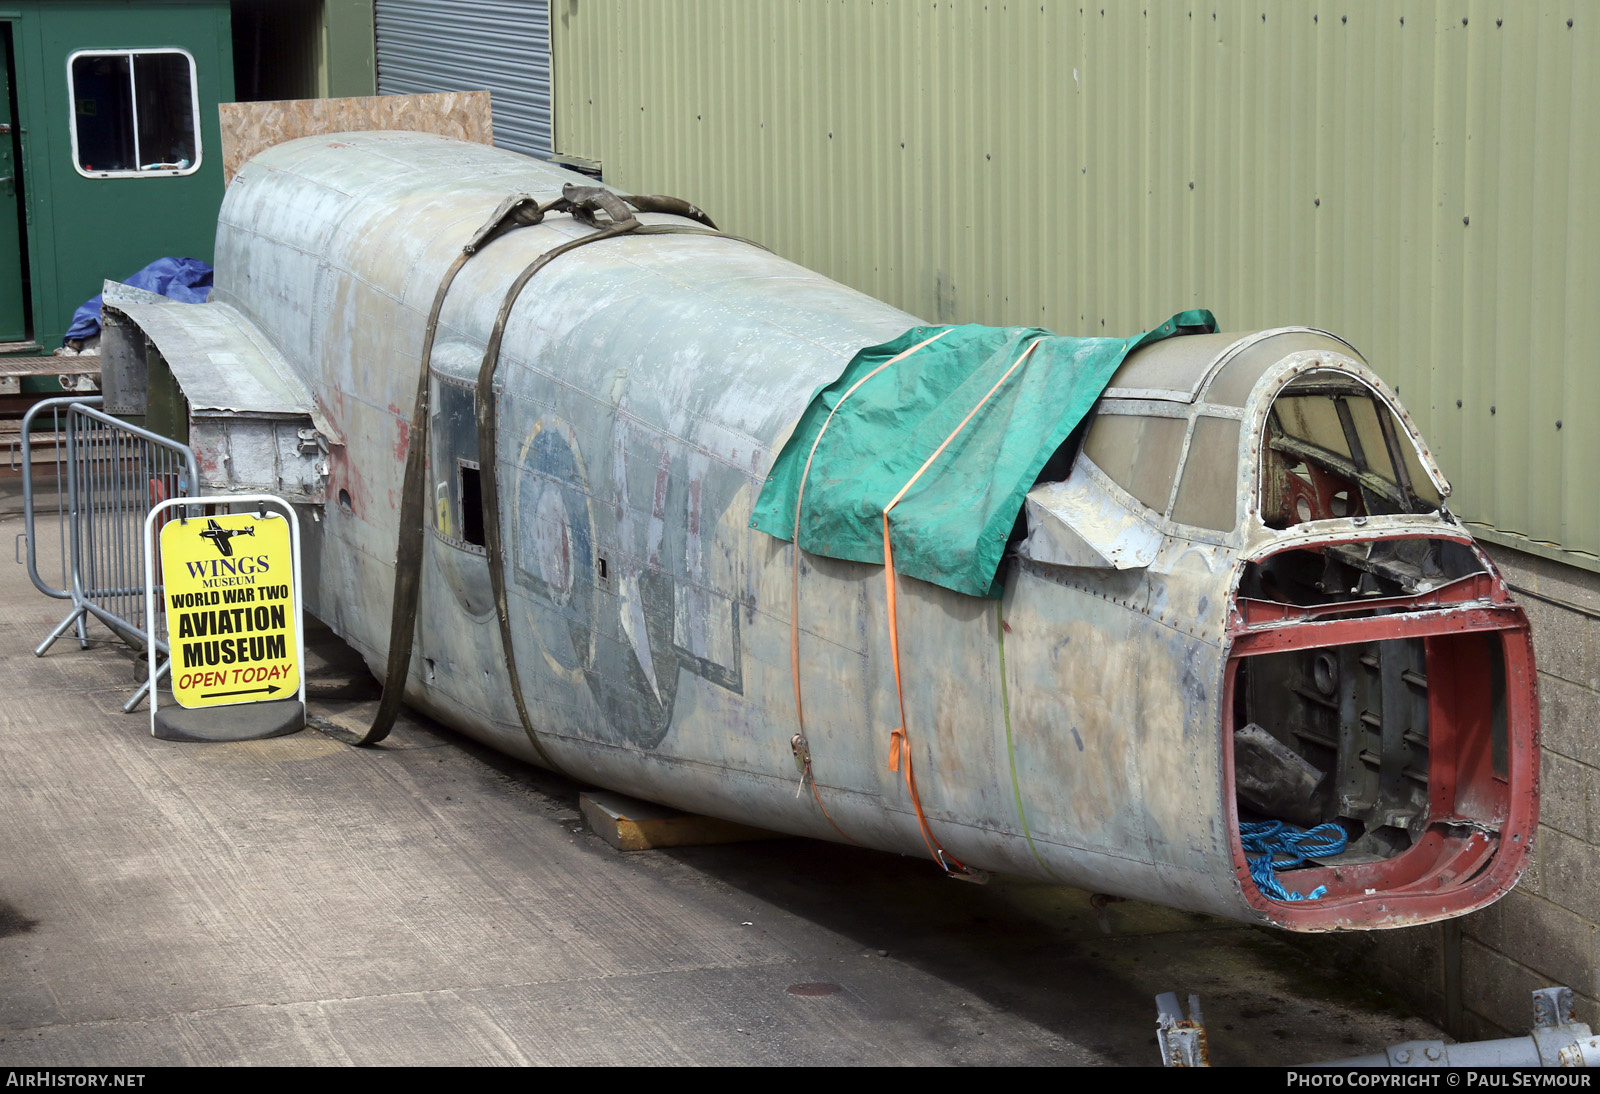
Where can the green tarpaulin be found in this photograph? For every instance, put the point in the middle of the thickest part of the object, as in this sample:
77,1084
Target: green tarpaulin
951,527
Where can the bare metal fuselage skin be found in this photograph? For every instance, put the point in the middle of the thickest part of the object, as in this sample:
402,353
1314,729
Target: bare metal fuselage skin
1080,730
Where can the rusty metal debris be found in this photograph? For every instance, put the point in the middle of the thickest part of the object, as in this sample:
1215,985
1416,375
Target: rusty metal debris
1182,1040
1557,1039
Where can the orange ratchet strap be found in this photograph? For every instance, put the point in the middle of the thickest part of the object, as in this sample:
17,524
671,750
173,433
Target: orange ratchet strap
794,590
899,742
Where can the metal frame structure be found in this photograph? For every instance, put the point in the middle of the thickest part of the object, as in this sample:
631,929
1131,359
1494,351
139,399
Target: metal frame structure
25,442
114,471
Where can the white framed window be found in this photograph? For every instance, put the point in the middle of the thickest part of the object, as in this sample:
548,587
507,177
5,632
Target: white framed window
135,112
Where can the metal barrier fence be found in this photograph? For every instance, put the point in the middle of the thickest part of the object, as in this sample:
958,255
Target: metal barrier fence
45,425
110,475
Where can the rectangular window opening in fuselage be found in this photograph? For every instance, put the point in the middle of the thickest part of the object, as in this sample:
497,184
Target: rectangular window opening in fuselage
471,504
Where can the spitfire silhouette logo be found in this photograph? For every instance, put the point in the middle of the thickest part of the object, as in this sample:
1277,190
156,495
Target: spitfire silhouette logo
220,537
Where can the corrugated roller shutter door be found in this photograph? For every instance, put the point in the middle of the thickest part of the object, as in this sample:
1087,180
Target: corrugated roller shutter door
470,45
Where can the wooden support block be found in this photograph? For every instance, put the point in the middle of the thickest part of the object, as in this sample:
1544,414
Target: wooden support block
629,824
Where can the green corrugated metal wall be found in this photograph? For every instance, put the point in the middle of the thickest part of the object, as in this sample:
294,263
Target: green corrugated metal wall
1418,177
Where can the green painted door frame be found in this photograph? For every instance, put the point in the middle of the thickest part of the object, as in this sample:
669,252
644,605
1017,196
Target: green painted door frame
13,258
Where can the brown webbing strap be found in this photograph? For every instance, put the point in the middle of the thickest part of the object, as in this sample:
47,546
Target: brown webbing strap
583,203
516,211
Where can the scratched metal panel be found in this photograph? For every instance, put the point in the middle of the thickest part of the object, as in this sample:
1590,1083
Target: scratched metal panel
637,454
1416,178
216,356
502,46
641,388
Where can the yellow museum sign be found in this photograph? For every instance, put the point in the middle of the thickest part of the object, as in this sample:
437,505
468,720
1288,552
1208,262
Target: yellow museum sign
231,618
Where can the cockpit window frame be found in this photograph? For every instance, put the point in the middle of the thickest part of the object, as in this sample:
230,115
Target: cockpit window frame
1273,383
1161,519
1139,408
1248,524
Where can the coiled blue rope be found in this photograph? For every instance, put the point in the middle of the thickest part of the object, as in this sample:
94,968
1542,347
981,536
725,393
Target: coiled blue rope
1273,845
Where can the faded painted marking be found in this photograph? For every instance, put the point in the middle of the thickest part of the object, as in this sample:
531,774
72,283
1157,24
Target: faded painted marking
554,521
552,545
666,624
628,571
402,442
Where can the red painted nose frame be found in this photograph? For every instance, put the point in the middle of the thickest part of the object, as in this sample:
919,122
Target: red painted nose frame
1480,822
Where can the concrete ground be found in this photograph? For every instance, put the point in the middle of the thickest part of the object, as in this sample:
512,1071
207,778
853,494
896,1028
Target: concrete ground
299,901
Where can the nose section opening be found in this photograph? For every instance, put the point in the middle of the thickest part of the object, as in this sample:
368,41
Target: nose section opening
1396,727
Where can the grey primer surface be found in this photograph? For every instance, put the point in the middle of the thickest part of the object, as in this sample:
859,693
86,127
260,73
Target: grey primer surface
1071,732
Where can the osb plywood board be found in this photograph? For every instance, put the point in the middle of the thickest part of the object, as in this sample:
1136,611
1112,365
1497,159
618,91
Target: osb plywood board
248,128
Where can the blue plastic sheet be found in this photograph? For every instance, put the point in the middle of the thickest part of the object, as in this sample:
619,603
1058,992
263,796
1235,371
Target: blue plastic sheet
185,279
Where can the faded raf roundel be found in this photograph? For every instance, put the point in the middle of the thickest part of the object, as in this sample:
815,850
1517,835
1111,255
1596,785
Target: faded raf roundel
553,546
552,543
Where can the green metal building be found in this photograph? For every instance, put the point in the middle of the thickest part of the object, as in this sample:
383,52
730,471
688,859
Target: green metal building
113,149
1410,175
112,157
